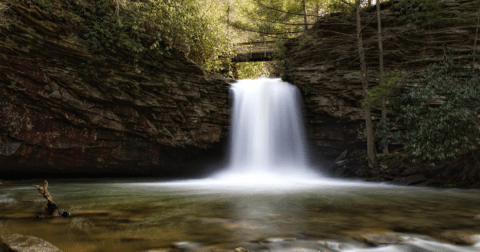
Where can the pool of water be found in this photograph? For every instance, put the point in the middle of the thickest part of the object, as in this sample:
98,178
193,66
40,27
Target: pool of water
208,215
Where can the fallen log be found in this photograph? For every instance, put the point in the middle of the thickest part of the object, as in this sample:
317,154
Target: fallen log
51,210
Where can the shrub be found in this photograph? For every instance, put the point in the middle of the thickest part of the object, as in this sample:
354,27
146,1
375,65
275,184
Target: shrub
440,117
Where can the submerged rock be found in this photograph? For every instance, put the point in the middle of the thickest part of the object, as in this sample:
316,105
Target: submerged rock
183,246
460,236
376,236
240,249
21,243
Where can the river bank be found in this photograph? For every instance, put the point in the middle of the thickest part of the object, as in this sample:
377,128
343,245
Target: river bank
397,168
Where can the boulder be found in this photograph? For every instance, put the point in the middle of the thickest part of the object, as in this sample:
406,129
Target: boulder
460,236
21,243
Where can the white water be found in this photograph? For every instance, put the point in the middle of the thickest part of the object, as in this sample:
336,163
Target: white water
268,149
268,153
267,133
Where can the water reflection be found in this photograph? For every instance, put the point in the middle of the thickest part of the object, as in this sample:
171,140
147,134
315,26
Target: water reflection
134,216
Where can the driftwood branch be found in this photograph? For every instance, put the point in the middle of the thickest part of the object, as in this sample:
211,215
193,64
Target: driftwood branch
51,210
43,190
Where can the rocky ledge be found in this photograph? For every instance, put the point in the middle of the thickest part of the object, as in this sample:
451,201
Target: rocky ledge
67,111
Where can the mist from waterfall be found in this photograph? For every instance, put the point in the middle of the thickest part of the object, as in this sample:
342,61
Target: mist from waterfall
267,132
268,148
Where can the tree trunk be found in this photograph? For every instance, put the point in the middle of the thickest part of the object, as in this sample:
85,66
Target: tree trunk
382,72
475,44
364,80
305,14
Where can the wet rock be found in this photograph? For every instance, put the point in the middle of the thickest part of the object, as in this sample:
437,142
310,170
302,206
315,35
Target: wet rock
376,237
255,246
410,180
81,225
282,245
409,171
183,246
340,171
21,243
349,164
460,236
159,250
240,249
280,239
415,179
337,246
388,177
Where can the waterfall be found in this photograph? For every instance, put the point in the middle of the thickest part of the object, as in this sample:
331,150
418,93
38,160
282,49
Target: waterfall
267,138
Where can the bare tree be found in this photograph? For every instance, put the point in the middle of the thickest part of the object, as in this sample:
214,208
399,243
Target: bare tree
364,80
380,60
305,14
475,44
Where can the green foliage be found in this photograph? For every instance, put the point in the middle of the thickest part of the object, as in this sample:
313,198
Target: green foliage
145,26
383,89
382,132
375,95
279,53
252,70
440,117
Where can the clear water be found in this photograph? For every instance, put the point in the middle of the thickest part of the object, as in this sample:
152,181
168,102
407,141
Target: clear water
267,193
139,215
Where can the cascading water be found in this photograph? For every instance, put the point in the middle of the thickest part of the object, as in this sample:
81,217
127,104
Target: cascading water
267,132
268,189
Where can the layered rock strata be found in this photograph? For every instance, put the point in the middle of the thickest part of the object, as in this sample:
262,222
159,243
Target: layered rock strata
65,110
324,64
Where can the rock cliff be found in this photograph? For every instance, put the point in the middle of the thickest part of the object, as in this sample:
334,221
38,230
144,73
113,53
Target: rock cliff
64,110
324,63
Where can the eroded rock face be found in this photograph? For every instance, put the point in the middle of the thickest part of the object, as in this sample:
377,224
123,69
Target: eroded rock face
324,65
64,110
